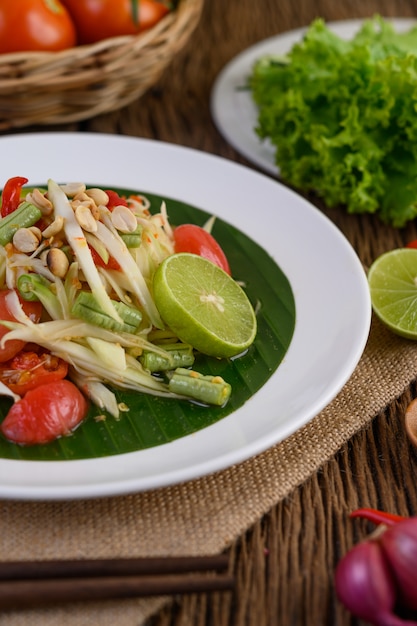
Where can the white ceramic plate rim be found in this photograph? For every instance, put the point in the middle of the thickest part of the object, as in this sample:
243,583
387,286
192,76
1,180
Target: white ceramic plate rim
329,285
232,108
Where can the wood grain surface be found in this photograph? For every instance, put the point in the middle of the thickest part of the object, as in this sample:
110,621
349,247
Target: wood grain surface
285,564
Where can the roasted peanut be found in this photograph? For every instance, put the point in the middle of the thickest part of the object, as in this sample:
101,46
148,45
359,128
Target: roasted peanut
57,262
85,219
123,219
25,240
72,189
54,227
98,195
37,198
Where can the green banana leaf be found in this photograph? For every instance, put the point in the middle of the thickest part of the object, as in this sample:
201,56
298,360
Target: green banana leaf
152,421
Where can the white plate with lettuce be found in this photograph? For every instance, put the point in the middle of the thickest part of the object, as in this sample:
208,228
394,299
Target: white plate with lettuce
232,106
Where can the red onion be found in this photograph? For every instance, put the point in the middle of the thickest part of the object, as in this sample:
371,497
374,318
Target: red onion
399,544
381,572
366,587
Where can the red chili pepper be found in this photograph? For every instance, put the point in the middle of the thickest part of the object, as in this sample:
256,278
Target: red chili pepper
378,517
10,197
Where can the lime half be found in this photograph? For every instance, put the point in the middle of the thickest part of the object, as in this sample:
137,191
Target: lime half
203,305
392,281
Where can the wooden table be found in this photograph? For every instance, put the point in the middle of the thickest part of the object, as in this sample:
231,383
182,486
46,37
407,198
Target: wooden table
285,563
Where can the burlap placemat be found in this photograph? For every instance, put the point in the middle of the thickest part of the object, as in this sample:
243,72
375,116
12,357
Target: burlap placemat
201,516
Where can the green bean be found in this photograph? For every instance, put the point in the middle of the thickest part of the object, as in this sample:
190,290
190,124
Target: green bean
33,287
133,240
204,388
179,355
24,216
87,308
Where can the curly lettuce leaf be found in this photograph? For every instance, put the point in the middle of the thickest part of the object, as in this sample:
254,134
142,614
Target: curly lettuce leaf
343,117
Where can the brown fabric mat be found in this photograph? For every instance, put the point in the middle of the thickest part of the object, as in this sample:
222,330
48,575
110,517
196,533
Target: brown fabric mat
253,507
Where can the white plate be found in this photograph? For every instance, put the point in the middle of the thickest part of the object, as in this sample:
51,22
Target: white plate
333,308
232,107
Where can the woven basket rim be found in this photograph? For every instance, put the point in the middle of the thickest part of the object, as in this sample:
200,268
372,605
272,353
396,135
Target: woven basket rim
109,42
90,79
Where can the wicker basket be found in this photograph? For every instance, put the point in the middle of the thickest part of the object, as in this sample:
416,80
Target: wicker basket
85,81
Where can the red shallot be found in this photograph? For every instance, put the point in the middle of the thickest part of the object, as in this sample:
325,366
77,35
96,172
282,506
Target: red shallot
378,575
399,544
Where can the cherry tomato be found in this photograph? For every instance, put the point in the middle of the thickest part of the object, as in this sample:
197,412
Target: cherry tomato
28,25
111,264
412,244
28,370
99,19
115,199
32,309
45,413
10,197
194,239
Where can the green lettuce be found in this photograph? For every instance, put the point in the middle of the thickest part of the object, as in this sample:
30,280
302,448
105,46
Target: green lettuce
342,116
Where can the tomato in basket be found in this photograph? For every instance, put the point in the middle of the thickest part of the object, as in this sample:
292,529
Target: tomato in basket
99,19
35,25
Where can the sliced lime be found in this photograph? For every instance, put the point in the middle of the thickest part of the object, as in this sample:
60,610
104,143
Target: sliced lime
203,305
393,286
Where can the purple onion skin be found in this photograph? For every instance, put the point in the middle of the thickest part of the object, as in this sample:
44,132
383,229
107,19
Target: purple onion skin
365,585
399,544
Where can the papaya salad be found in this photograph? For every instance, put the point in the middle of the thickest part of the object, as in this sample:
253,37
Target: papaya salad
77,314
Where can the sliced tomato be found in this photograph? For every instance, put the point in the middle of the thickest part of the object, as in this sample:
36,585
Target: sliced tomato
32,309
115,199
45,413
111,264
29,369
194,239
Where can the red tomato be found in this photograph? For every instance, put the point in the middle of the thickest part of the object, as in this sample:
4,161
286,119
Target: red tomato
28,370
111,264
28,25
32,309
45,413
115,199
99,19
412,244
194,239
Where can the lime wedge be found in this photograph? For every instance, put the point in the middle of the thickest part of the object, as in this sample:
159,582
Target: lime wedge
203,305
392,281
